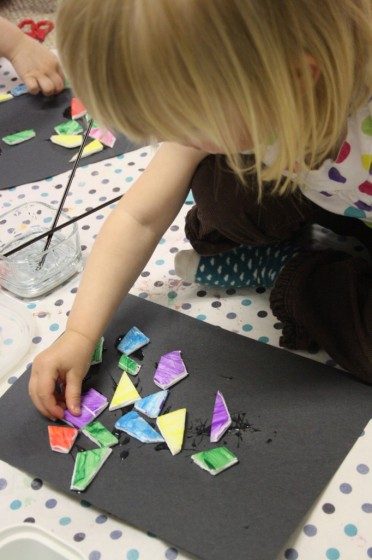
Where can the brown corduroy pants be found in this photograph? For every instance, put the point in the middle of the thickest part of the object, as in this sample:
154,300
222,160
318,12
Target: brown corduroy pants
322,296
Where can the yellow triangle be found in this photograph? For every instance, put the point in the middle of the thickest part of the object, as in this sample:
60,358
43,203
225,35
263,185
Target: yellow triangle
67,140
92,148
172,428
125,393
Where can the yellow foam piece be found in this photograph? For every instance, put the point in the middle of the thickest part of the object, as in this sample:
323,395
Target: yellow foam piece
90,149
5,97
172,428
125,393
67,140
367,161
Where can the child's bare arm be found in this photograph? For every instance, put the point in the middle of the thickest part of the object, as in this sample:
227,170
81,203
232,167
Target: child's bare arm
37,67
123,247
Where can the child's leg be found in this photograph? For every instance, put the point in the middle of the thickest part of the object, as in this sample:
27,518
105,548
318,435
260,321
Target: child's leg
240,267
326,297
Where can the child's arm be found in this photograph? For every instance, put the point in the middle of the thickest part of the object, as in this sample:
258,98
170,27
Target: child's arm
124,245
37,67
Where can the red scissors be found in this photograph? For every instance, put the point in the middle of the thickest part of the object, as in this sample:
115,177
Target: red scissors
37,30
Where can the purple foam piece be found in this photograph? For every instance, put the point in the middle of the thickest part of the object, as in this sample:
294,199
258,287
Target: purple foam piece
221,419
170,370
92,404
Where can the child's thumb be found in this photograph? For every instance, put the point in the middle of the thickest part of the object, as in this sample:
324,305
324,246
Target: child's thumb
73,393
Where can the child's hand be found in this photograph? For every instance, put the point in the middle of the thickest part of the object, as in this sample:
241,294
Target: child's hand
65,363
37,67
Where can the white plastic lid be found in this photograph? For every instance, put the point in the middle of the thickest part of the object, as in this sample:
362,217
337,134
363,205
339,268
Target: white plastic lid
16,332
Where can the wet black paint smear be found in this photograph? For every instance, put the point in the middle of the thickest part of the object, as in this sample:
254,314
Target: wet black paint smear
198,431
67,112
124,440
138,354
124,455
240,426
116,433
167,409
227,377
161,446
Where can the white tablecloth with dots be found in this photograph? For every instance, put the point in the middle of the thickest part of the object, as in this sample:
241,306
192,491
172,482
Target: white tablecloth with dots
340,524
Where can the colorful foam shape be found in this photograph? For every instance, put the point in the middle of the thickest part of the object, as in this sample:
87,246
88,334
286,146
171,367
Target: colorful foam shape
125,393
129,365
90,149
152,404
215,460
77,109
62,438
92,404
98,352
87,465
221,419
69,127
170,370
19,90
172,428
5,97
105,136
132,341
67,140
135,426
19,137
100,435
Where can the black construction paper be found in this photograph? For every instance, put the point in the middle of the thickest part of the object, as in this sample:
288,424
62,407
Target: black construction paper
39,158
298,421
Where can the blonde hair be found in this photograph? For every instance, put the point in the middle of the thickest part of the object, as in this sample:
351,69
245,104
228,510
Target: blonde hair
179,69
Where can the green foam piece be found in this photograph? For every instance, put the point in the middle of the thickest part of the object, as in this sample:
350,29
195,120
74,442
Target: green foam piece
19,137
69,127
129,365
215,460
99,434
87,465
97,354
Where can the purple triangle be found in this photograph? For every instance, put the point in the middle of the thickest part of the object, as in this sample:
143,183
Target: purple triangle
221,419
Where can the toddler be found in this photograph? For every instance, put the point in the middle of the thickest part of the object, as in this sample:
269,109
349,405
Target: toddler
264,108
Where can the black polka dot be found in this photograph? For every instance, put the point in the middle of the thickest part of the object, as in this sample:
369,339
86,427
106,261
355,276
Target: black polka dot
173,249
201,293
230,291
174,228
92,191
216,304
131,163
86,227
36,484
145,273
262,314
56,186
260,290
158,284
58,302
328,508
29,520
115,189
78,537
74,290
278,326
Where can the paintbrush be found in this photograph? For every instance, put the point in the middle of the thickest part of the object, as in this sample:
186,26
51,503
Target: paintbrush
61,204
61,226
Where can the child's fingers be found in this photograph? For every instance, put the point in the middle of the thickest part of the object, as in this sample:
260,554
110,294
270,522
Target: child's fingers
46,85
32,84
43,399
58,82
73,392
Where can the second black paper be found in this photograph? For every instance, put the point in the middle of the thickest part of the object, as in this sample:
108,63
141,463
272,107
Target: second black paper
38,158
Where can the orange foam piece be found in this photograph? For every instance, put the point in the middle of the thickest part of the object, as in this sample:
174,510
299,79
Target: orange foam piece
62,438
77,109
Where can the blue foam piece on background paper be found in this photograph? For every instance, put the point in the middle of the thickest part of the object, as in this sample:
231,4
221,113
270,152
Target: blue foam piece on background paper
133,425
132,341
152,404
18,90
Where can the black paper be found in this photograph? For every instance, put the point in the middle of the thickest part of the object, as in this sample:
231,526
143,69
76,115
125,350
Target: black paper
39,158
307,418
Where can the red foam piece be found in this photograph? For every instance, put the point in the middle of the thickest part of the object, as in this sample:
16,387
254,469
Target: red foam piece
77,109
62,438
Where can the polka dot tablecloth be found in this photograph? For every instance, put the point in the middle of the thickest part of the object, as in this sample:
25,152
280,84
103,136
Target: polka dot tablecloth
340,524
